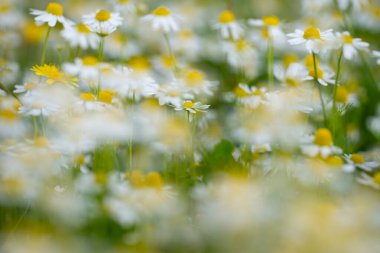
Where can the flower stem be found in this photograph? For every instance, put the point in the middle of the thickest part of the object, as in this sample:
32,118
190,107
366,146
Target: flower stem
319,89
171,53
43,56
101,48
334,109
270,63
130,146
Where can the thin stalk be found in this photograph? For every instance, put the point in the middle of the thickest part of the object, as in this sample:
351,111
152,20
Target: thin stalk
334,110
319,89
35,125
270,63
43,56
130,146
101,48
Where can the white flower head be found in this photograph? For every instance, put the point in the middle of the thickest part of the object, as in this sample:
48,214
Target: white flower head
272,23
81,36
322,145
52,15
312,37
357,160
192,107
163,20
323,75
351,45
103,22
228,26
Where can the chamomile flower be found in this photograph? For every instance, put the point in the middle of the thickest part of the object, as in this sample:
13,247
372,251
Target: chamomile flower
373,181
127,7
272,24
228,26
345,98
322,145
81,36
194,81
173,93
25,88
85,68
51,15
292,76
357,160
312,37
163,20
324,77
103,22
53,74
90,102
351,45
192,107
250,96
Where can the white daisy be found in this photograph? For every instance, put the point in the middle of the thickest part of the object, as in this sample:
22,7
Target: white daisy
173,93
80,36
351,45
249,96
322,145
192,107
358,161
127,7
292,76
324,76
272,23
312,37
368,180
162,19
194,81
103,22
85,68
52,15
228,26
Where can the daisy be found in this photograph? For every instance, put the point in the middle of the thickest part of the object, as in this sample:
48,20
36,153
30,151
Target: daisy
51,15
324,77
358,161
127,7
351,45
53,74
292,75
103,22
173,93
192,107
250,96
81,36
162,19
322,145
373,181
84,68
194,81
228,26
312,37
271,23
345,98
25,88
90,102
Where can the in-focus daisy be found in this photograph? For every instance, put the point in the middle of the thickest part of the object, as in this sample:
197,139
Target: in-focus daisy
324,76
358,161
192,107
53,74
162,19
81,36
351,45
228,26
312,37
103,22
51,15
322,145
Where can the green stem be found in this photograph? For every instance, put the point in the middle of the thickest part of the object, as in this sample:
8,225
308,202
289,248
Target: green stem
319,88
334,109
35,125
130,146
270,63
101,48
43,56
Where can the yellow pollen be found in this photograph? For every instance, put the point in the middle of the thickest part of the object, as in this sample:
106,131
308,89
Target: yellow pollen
376,178
188,104
105,97
161,11
194,78
319,73
55,9
154,180
323,137
136,178
241,45
226,17
82,28
271,21
347,39
289,59
80,159
240,92
8,114
357,158
341,95
311,33
139,63
89,61
103,15
87,96
334,161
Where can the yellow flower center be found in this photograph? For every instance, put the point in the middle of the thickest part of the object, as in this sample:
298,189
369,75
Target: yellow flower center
292,82
49,71
154,180
289,59
80,159
241,45
151,180
194,78
87,96
226,17
323,137
318,75
240,92
82,28
8,115
33,33
311,33
40,142
123,1
54,9
271,21
161,11
347,39
265,33
105,97
334,161
376,178
341,95
168,61
103,15
89,61
188,104
309,61
357,158
139,63
5,7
